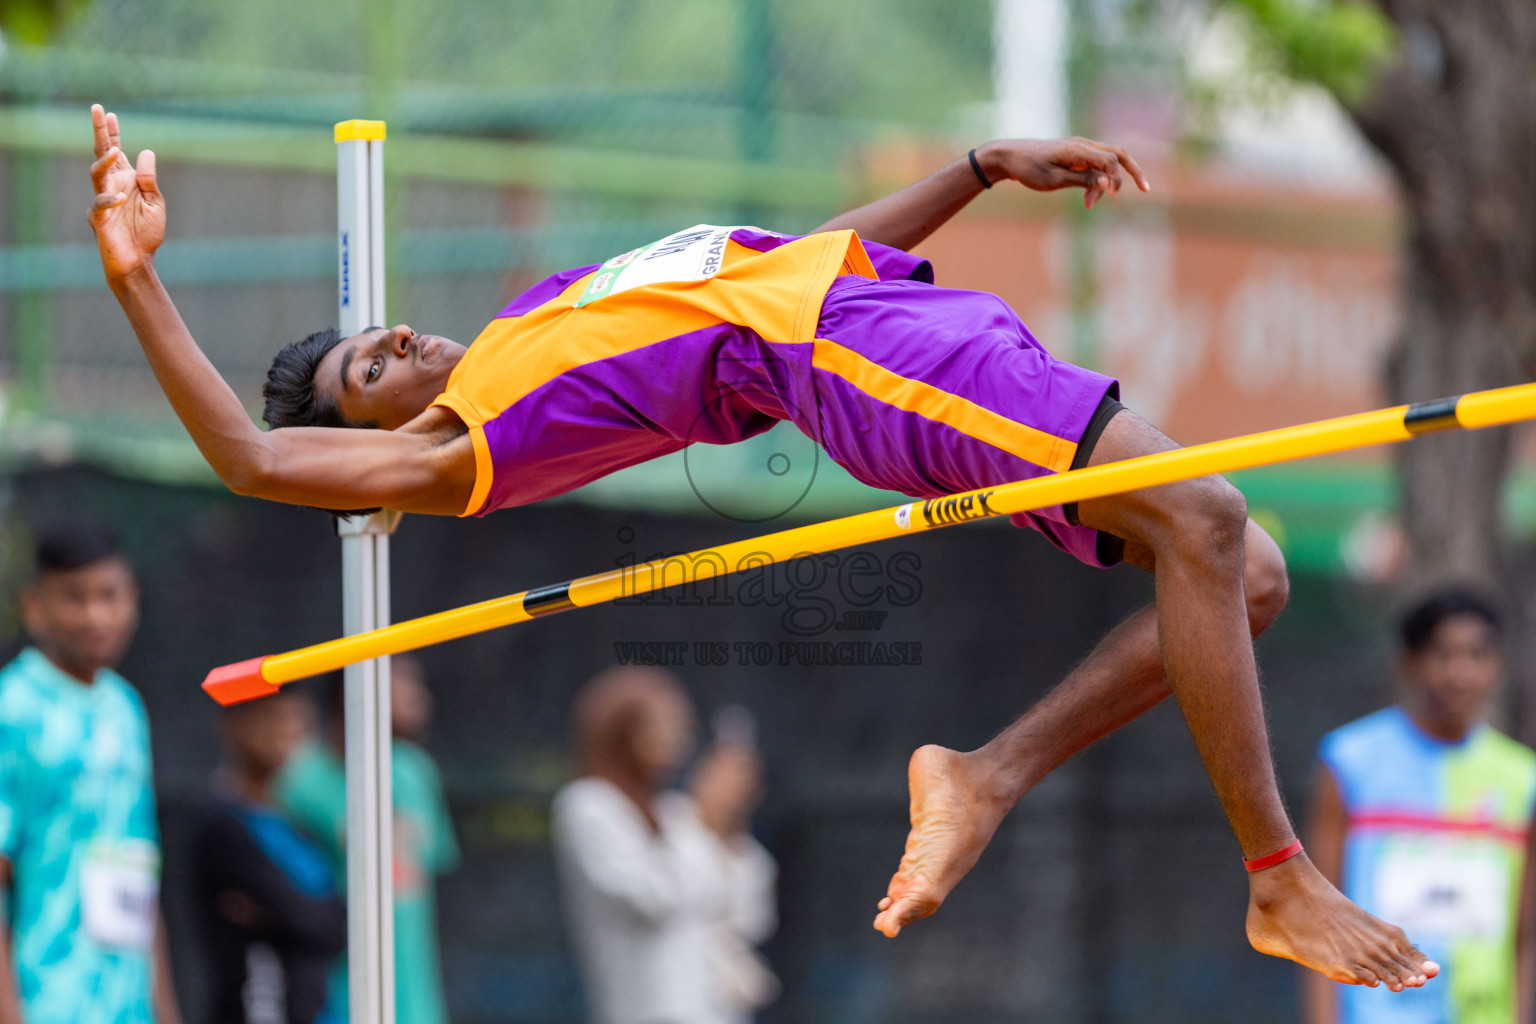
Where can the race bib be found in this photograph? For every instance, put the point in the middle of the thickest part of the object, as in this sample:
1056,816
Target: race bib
694,254
1445,889
120,892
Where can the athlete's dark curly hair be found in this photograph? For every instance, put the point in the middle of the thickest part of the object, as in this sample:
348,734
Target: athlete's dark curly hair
289,395
290,398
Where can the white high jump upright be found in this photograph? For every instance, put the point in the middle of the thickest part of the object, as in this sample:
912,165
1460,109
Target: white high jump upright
365,606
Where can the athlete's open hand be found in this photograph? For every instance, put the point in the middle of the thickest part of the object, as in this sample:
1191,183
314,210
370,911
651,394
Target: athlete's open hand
1049,164
129,211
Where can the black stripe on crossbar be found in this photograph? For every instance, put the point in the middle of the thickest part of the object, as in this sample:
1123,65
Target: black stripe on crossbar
548,600
1423,417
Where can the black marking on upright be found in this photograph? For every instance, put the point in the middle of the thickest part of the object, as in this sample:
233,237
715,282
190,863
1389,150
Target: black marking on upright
548,600
1424,417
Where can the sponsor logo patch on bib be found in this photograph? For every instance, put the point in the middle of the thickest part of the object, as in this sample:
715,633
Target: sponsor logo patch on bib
693,254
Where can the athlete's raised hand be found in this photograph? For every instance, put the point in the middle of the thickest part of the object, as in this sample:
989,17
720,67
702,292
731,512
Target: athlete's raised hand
1049,164
129,211
903,219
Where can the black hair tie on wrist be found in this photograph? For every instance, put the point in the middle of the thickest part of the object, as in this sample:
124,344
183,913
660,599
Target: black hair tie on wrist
976,166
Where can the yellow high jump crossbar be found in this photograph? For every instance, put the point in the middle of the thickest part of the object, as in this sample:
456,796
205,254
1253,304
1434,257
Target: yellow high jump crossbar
260,677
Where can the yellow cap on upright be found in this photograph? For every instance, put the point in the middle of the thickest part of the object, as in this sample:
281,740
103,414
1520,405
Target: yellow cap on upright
365,131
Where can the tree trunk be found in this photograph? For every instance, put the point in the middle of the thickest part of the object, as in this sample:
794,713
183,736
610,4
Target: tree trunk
1455,116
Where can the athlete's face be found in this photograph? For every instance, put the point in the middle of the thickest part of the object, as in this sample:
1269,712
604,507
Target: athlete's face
1451,681
387,376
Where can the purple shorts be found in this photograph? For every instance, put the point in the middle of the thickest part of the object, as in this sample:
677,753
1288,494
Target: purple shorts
929,391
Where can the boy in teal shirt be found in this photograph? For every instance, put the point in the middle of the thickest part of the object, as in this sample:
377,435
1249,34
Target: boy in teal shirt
78,835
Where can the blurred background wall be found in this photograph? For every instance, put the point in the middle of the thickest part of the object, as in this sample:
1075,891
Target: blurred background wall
1259,285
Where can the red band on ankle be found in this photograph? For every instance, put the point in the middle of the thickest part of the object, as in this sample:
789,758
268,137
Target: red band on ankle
1269,860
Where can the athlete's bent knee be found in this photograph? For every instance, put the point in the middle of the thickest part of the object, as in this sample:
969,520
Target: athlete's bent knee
1266,584
1210,522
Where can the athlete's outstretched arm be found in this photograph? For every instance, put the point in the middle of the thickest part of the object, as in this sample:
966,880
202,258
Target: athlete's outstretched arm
327,468
905,218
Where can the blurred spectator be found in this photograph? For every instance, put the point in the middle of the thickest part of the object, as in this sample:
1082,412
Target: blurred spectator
1422,815
666,893
270,900
313,788
80,844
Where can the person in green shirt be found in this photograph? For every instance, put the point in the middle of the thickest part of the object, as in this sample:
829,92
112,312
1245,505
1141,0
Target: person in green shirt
79,845
312,788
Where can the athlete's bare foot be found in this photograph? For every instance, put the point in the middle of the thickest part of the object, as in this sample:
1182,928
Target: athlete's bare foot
954,813
1294,913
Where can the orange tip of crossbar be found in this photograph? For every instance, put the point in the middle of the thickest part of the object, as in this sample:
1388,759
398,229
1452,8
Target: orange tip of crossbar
242,681
359,131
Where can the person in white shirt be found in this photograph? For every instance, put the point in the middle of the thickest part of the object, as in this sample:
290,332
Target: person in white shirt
666,892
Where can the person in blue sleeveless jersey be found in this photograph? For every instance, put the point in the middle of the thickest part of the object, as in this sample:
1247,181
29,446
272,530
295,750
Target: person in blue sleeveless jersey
79,845
1422,814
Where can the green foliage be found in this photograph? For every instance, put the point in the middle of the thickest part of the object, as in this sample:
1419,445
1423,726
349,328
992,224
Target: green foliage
35,21
1338,44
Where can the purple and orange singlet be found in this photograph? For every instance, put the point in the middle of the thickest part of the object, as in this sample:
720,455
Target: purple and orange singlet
714,334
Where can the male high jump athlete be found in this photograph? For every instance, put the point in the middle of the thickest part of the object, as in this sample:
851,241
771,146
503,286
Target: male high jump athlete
714,335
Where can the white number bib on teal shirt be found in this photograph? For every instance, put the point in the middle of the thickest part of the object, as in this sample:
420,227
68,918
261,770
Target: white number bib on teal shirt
1446,889
693,254
119,892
